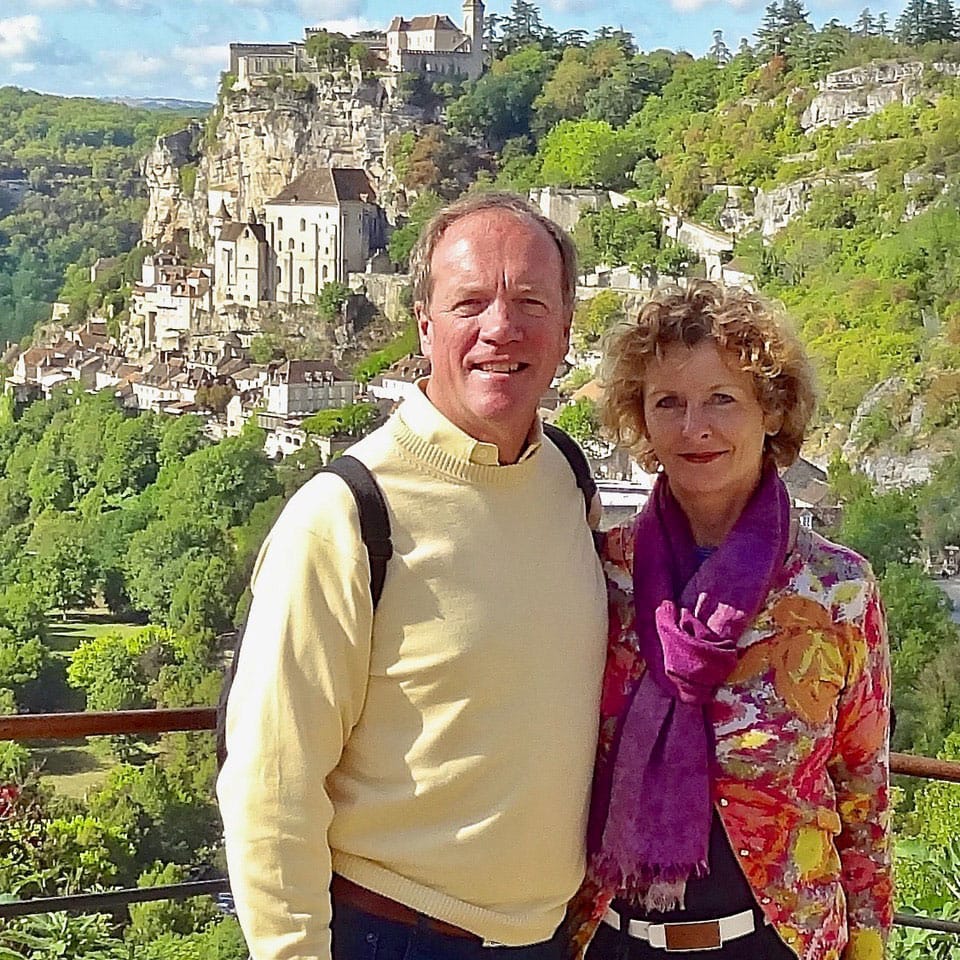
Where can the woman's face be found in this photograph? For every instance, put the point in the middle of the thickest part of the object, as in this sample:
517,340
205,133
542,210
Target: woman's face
704,422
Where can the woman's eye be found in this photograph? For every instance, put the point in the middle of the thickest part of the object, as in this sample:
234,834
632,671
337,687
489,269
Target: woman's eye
720,398
668,403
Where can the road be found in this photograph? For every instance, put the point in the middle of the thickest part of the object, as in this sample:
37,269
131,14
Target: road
951,587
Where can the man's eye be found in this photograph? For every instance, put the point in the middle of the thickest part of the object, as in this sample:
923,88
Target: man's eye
668,402
534,308
467,308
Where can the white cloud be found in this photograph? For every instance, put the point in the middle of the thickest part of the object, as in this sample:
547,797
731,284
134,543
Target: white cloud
211,54
352,25
19,35
201,65
19,67
132,63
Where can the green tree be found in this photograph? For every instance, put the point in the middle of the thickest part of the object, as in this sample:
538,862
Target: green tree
328,48
332,299
580,420
587,153
883,527
62,568
939,504
592,318
402,239
499,105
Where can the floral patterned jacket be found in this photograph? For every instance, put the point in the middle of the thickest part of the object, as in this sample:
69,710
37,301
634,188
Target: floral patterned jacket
802,747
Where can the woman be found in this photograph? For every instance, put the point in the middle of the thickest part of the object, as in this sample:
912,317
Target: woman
741,805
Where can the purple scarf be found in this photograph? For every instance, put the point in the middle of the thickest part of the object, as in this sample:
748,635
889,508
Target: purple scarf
688,622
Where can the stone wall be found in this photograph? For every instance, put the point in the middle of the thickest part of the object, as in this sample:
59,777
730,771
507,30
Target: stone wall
386,292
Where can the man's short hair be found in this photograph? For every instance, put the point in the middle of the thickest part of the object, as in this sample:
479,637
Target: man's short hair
422,253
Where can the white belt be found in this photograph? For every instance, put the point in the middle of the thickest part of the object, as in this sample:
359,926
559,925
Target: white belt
679,937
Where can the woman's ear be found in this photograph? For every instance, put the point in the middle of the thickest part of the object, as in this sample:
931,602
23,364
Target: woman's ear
772,423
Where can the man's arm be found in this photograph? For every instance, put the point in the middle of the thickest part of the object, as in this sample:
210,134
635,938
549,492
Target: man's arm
299,688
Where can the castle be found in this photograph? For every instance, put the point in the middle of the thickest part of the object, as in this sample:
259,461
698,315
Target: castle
427,45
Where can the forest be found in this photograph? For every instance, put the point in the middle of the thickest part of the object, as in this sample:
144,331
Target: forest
84,199
144,521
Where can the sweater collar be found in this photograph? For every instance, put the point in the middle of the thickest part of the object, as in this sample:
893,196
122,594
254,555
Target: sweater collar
425,420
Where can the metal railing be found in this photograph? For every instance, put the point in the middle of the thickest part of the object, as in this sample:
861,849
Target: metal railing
71,726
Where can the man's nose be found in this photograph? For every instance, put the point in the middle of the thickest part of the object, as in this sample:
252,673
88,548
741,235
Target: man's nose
499,322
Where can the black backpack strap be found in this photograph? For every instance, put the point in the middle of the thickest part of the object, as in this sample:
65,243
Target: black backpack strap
577,460
375,533
374,519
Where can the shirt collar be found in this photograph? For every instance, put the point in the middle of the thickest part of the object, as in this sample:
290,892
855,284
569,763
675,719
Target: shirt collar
421,416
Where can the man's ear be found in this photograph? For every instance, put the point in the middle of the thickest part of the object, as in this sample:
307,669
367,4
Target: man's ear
424,329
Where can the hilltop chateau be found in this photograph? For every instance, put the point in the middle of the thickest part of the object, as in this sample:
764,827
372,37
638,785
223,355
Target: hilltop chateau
427,45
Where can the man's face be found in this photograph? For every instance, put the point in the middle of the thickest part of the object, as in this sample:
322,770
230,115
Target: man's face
495,327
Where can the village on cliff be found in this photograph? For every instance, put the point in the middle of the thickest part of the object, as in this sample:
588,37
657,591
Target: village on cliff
191,323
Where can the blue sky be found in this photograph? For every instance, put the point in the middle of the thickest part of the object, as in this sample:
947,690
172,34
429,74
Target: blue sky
177,48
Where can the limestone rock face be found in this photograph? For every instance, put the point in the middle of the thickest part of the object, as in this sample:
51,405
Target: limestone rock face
850,95
170,212
264,138
774,209
888,469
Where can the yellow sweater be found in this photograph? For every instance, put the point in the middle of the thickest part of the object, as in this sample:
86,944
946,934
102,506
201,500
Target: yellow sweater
439,753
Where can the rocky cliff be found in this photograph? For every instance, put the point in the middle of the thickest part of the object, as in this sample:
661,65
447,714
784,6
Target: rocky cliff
774,209
257,141
850,95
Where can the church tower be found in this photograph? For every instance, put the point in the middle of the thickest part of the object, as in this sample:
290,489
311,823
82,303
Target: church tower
473,25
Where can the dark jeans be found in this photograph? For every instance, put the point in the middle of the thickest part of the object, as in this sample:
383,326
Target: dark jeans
361,936
762,944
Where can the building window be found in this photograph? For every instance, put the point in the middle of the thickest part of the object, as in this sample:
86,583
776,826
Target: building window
325,273
303,248
303,224
300,275
279,223
290,244
246,258
279,275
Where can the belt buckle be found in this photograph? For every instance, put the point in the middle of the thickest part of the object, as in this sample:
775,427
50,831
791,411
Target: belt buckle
702,935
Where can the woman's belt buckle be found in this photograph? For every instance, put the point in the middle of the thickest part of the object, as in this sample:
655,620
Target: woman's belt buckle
702,935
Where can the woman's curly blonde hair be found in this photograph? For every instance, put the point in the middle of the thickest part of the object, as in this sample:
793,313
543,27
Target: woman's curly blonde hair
734,319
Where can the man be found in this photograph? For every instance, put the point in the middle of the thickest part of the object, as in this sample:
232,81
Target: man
428,764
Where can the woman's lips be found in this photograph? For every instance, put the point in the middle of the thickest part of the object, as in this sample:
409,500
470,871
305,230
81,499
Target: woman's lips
702,457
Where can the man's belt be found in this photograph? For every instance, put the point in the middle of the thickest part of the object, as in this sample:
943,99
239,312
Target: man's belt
353,895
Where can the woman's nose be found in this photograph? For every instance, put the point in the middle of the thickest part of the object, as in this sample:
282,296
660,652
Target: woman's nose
696,423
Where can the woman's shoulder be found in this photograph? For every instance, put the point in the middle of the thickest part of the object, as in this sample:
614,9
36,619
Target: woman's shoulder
834,575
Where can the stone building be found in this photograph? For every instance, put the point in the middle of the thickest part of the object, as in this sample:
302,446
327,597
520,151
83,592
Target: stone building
251,60
167,303
242,264
302,387
434,44
322,226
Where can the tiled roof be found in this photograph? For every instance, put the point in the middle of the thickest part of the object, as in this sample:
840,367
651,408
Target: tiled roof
435,21
233,231
328,185
303,371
